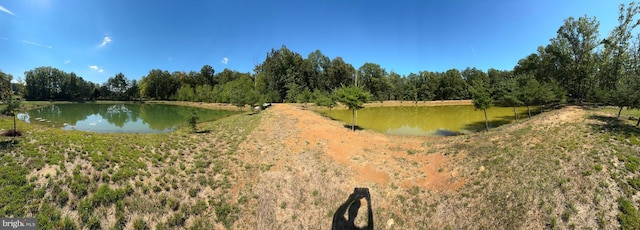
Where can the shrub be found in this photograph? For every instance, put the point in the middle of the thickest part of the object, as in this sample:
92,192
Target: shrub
199,207
176,220
139,224
48,216
106,196
634,182
628,216
68,224
226,213
63,198
193,192
85,208
201,223
193,121
173,204
94,223
121,221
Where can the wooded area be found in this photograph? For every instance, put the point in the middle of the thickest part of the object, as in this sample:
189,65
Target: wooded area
576,66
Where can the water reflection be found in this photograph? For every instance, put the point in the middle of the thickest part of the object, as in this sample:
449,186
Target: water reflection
128,118
428,120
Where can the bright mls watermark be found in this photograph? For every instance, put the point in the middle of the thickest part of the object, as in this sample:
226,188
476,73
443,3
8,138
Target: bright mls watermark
18,223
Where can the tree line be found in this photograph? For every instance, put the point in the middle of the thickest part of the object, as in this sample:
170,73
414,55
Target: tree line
576,66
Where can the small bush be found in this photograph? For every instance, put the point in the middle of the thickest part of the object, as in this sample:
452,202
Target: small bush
139,224
193,192
176,220
94,223
632,163
106,196
68,224
63,198
597,167
199,207
628,216
173,204
85,208
201,223
226,213
193,121
635,183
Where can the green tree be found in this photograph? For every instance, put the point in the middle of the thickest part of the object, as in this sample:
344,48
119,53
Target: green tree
529,90
575,48
398,87
204,93
481,96
613,77
46,83
185,93
473,74
452,86
292,93
206,76
305,97
241,92
280,70
354,98
8,98
117,87
324,99
339,73
133,92
506,91
193,121
371,78
319,63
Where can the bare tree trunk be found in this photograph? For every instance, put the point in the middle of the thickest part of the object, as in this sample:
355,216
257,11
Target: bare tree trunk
14,124
515,115
486,121
620,111
529,111
353,120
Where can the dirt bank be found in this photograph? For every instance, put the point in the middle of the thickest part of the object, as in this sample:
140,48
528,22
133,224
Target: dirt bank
312,158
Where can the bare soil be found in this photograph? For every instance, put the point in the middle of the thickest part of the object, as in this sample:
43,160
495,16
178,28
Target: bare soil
317,162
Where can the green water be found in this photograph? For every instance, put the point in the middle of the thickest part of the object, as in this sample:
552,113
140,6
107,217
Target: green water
428,120
118,118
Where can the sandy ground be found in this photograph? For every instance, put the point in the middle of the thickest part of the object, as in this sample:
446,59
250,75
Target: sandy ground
316,159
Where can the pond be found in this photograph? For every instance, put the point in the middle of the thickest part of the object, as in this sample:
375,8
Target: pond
119,118
427,120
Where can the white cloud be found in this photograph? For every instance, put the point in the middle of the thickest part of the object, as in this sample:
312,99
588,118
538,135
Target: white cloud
36,44
96,68
67,61
224,60
6,11
106,40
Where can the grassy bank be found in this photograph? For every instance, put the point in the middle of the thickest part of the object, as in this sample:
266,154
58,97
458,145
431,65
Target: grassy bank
82,179
561,170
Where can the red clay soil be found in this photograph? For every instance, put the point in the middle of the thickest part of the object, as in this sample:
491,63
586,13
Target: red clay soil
374,158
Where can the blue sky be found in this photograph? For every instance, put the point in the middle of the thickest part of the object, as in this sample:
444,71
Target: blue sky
97,39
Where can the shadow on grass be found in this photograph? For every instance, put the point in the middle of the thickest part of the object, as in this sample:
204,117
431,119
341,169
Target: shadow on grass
348,126
446,133
615,126
480,125
8,144
203,131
